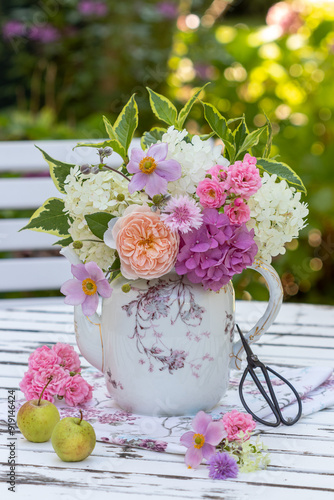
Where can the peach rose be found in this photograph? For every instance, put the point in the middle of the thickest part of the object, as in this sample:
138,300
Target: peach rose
146,247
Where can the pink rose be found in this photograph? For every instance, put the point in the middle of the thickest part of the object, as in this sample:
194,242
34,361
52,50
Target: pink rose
236,422
69,358
43,358
55,387
77,390
238,212
211,193
219,173
243,177
147,248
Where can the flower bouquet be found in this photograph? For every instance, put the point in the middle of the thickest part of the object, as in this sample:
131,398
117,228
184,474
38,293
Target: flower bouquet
204,205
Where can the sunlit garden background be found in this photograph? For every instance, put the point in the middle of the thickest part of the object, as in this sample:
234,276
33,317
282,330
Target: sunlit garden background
64,63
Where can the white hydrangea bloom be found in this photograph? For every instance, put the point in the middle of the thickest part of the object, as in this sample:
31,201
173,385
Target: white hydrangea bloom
276,216
87,194
195,159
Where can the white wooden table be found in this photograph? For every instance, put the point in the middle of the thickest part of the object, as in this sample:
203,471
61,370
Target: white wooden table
302,456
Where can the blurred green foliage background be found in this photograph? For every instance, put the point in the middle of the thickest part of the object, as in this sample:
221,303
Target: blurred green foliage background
66,62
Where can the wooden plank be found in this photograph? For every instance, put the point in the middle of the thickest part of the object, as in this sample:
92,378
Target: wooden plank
28,193
12,239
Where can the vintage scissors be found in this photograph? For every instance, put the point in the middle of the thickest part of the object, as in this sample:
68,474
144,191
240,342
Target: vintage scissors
254,362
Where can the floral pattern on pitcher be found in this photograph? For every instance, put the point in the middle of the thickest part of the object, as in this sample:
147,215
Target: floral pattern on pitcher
156,302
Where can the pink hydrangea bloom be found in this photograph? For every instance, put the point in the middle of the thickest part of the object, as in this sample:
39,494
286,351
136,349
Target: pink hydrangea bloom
238,212
202,442
88,282
43,358
211,193
236,422
77,391
215,252
243,177
151,169
69,359
182,214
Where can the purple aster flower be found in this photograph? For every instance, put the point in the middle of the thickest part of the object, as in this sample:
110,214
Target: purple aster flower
88,282
222,466
44,34
202,443
215,252
13,29
182,214
151,169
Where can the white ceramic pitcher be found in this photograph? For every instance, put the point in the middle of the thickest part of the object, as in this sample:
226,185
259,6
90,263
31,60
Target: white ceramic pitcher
166,347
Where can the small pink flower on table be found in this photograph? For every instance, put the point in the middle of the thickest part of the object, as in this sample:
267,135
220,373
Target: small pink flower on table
69,359
203,441
88,282
238,425
151,169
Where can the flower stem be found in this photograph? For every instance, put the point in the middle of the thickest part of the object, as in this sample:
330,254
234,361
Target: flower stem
40,397
117,172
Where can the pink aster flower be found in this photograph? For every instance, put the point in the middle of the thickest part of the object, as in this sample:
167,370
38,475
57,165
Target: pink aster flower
151,169
222,466
243,177
84,289
202,443
235,423
182,214
43,358
69,359
238,212
211,193
76,390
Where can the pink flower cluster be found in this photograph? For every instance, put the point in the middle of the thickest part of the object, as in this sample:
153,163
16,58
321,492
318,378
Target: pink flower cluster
63,364
232,185
238,425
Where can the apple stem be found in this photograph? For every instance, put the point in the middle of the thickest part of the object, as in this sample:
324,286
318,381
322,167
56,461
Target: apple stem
81,416
39,401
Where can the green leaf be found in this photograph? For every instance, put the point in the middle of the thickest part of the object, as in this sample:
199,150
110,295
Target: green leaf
163,108
205,137
64,242
103,144
98,223
251,140
187,107
240,134
58,170
267,149
151,137
126,123
282,171
50,218
219,125
115,143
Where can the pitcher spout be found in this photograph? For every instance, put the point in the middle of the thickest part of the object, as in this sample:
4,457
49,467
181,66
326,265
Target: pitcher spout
88,334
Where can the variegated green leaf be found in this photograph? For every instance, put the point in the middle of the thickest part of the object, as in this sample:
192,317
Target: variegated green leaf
240,134
126,123
163,108
219,125
251,140
267,149
64,242
187,107
151,137
98,223
50,218
115,143
58,170
282,171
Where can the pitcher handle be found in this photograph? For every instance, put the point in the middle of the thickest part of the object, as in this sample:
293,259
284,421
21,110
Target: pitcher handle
275,301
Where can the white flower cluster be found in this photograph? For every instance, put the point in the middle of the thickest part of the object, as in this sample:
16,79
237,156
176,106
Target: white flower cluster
276,216
195,158
87,194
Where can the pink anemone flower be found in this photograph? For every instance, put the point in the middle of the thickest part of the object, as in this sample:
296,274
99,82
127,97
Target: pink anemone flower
88,282
202,443
151,169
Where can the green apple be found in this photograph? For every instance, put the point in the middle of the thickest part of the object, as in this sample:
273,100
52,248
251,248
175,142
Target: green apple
73,439
37,418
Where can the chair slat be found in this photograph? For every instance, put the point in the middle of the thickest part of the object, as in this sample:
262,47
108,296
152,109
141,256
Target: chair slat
31,192
11,239
31,274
